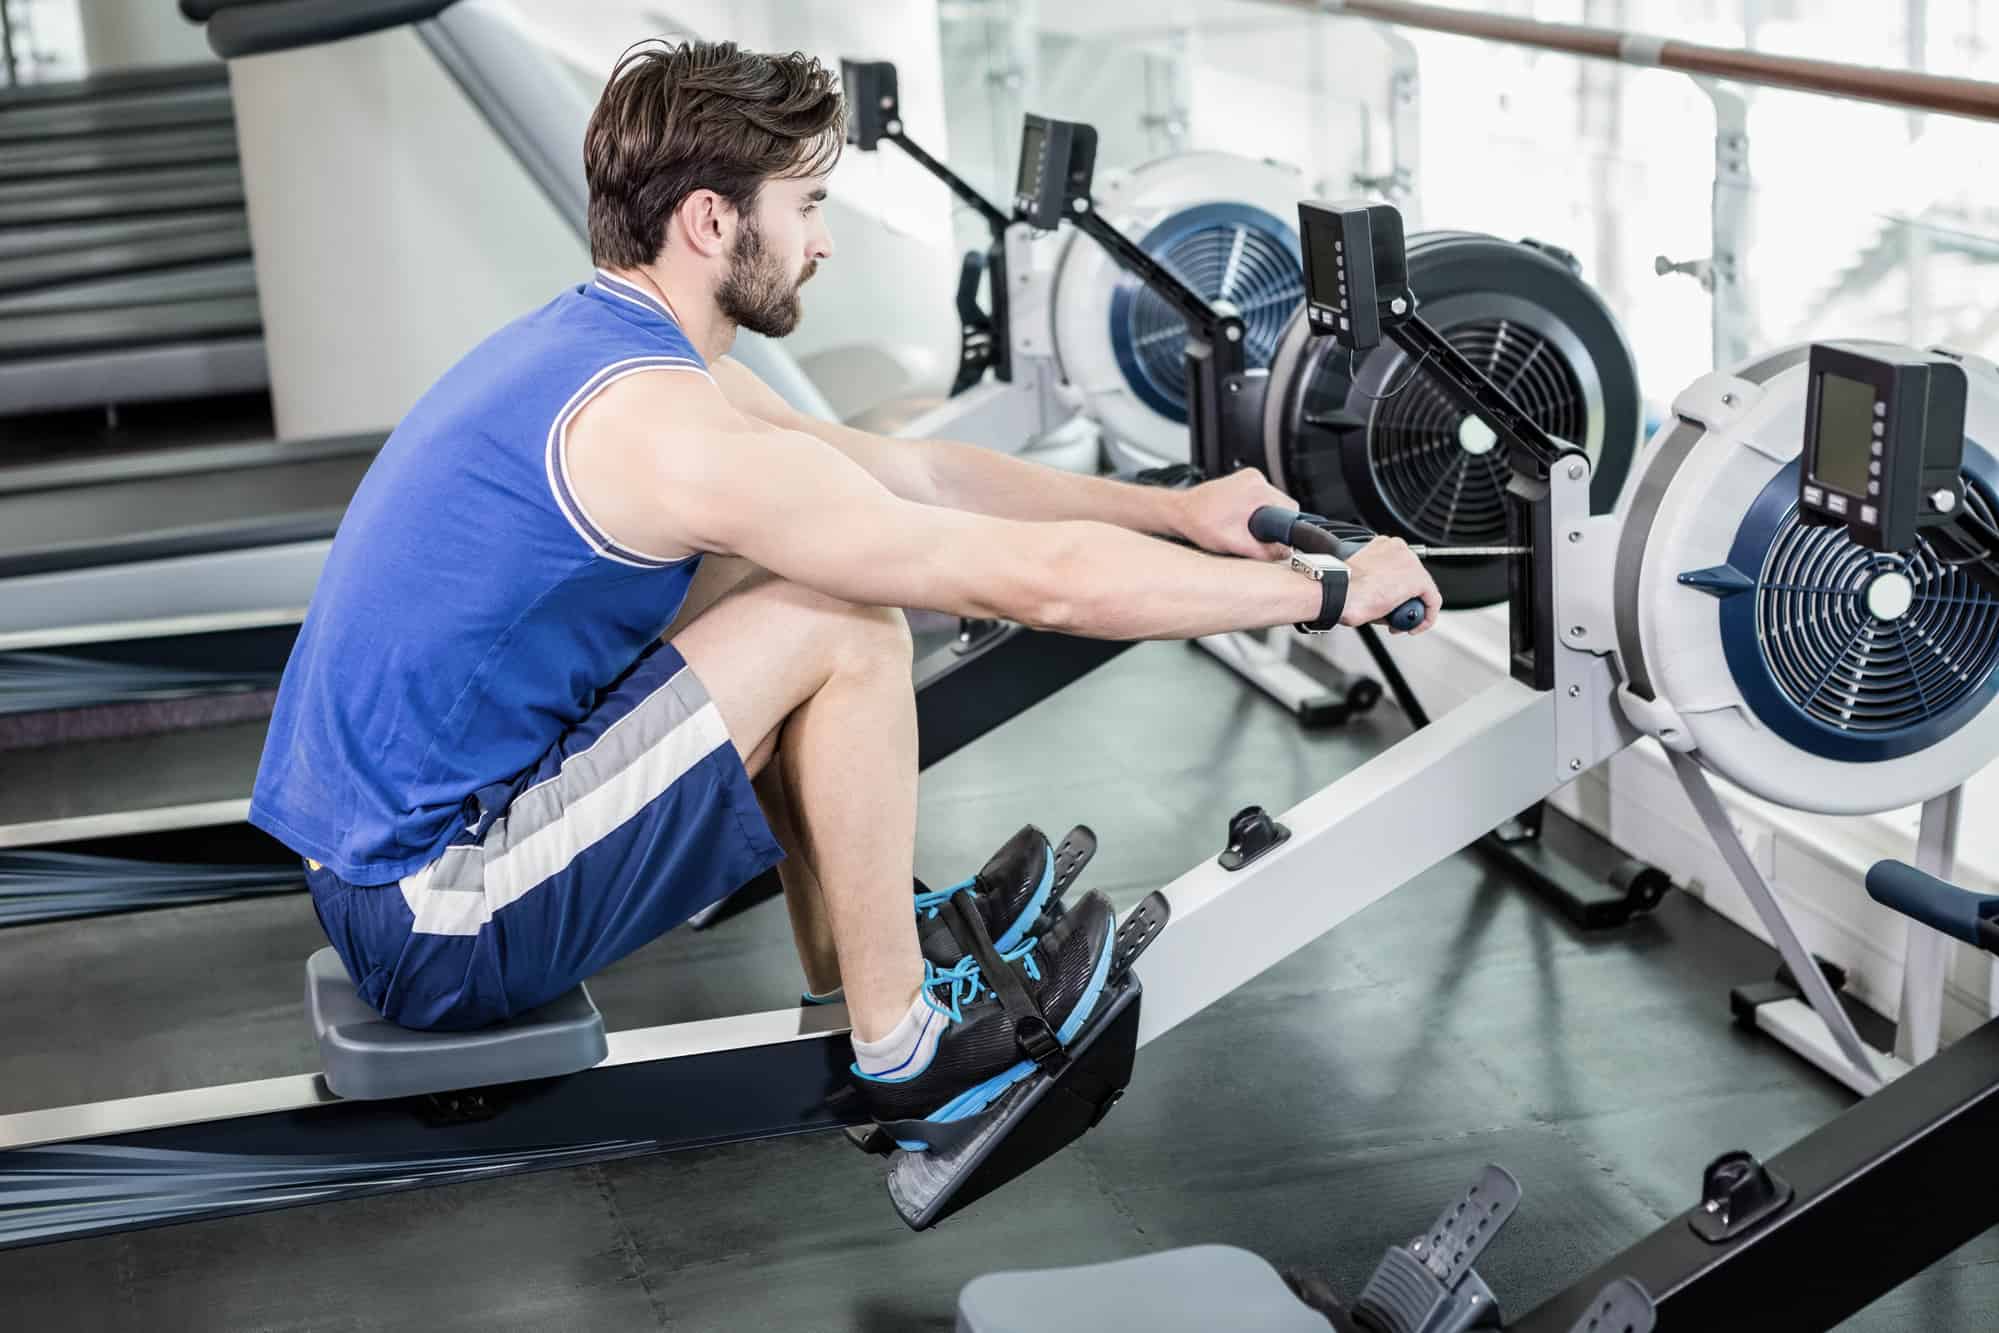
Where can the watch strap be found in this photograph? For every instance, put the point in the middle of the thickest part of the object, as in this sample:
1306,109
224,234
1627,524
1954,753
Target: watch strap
1332,602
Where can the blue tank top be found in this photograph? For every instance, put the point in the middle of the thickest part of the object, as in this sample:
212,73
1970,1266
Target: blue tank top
469,611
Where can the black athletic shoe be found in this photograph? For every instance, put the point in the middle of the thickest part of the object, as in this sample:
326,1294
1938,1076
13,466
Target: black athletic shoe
1013,891
979,1056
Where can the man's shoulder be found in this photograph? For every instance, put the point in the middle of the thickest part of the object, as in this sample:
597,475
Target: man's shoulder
641,407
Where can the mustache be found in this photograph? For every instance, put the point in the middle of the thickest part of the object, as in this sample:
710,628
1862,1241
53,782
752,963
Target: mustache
805,275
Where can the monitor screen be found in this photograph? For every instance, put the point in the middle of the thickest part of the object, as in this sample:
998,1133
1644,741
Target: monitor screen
1322,283
1846,430
1032,141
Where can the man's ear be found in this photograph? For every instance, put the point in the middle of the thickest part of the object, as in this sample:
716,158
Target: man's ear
707,221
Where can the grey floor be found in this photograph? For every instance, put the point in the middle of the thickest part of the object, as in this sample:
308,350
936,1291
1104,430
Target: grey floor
1329,1107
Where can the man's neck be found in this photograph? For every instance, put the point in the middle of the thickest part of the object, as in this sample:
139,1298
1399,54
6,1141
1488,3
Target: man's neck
692,305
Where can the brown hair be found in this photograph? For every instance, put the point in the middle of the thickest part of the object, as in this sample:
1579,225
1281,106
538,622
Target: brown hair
687,116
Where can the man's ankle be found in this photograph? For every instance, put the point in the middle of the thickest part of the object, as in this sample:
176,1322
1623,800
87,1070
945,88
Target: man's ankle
904,1046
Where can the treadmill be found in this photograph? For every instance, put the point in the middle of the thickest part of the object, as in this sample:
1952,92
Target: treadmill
125,269
147,606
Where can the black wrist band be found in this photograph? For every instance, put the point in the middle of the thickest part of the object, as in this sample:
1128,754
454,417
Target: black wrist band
1332,602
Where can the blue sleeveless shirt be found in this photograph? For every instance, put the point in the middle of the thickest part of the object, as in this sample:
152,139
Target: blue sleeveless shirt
469,611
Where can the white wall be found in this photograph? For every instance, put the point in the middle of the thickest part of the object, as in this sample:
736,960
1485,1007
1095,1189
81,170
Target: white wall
894,270
392,229
370,177
119,34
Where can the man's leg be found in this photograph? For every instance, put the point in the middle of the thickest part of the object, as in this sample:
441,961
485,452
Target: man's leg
833,680
810,928
718,577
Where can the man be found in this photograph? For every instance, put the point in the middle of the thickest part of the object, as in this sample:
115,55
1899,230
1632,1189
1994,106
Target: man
504,777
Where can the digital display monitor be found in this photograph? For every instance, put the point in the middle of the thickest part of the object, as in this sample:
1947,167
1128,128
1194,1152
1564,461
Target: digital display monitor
1033,144
1322,265
1845,434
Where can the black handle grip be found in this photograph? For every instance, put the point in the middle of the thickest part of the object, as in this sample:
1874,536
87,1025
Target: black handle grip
1288,527
1939,905
1271,524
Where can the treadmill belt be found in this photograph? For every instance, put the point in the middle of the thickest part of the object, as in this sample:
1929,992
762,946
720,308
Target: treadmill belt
119,152
179,513
157,190
86,233
111,787
187,282
25,337
115,84
172,108
27,273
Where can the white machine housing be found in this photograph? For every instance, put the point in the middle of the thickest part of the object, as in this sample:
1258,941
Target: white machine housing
1735,431
1087,282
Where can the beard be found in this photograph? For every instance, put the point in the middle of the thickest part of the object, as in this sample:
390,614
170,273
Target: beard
758,293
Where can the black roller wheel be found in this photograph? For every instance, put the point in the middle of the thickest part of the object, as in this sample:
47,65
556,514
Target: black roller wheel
1643,885
1363,694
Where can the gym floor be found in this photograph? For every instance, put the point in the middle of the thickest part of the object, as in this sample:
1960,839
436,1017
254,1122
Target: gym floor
1331,1106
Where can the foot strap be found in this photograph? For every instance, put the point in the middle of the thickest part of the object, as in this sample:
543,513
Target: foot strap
1031,1027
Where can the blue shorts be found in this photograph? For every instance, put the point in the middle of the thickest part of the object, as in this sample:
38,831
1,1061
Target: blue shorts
638,818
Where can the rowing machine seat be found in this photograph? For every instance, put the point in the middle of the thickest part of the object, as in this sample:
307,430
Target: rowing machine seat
1201,1287
368,1058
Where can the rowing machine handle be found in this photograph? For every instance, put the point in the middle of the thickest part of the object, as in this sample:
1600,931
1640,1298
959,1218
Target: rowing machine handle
1288,527
1940,905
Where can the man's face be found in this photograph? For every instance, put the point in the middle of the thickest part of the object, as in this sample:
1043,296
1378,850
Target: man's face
779,243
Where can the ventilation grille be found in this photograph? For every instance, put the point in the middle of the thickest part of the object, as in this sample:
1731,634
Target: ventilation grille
1442,492
1848,670
1249,266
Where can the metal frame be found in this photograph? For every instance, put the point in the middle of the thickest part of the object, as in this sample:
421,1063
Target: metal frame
1882,1192
1817,1026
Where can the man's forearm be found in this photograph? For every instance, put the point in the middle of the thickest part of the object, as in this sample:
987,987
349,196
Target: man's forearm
985,481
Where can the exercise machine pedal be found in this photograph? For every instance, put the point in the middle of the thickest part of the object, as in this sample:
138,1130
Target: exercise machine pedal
1428,1285
1076,850
1069,1094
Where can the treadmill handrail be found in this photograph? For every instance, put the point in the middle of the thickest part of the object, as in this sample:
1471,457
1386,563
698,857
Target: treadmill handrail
257,27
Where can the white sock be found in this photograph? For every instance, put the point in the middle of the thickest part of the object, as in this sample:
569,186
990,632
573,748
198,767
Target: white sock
906,1051
834,996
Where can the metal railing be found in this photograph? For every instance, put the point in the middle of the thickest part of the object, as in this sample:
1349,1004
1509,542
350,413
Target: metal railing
8,69
1907,89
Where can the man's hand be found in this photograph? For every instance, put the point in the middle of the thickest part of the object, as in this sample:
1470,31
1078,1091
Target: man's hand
1382,576
1215,514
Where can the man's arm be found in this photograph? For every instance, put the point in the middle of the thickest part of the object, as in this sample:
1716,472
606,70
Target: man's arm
710,479
986,481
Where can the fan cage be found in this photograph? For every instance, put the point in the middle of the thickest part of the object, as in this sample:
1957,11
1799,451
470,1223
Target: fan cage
1441,492
1229,253
1853,673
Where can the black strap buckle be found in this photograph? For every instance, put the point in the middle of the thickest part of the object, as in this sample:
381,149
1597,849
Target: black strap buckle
1038,1043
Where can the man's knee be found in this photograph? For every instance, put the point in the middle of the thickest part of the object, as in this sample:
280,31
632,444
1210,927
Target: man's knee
872,638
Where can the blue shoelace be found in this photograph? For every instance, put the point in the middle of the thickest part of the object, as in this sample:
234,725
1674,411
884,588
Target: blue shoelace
928,905
963,982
